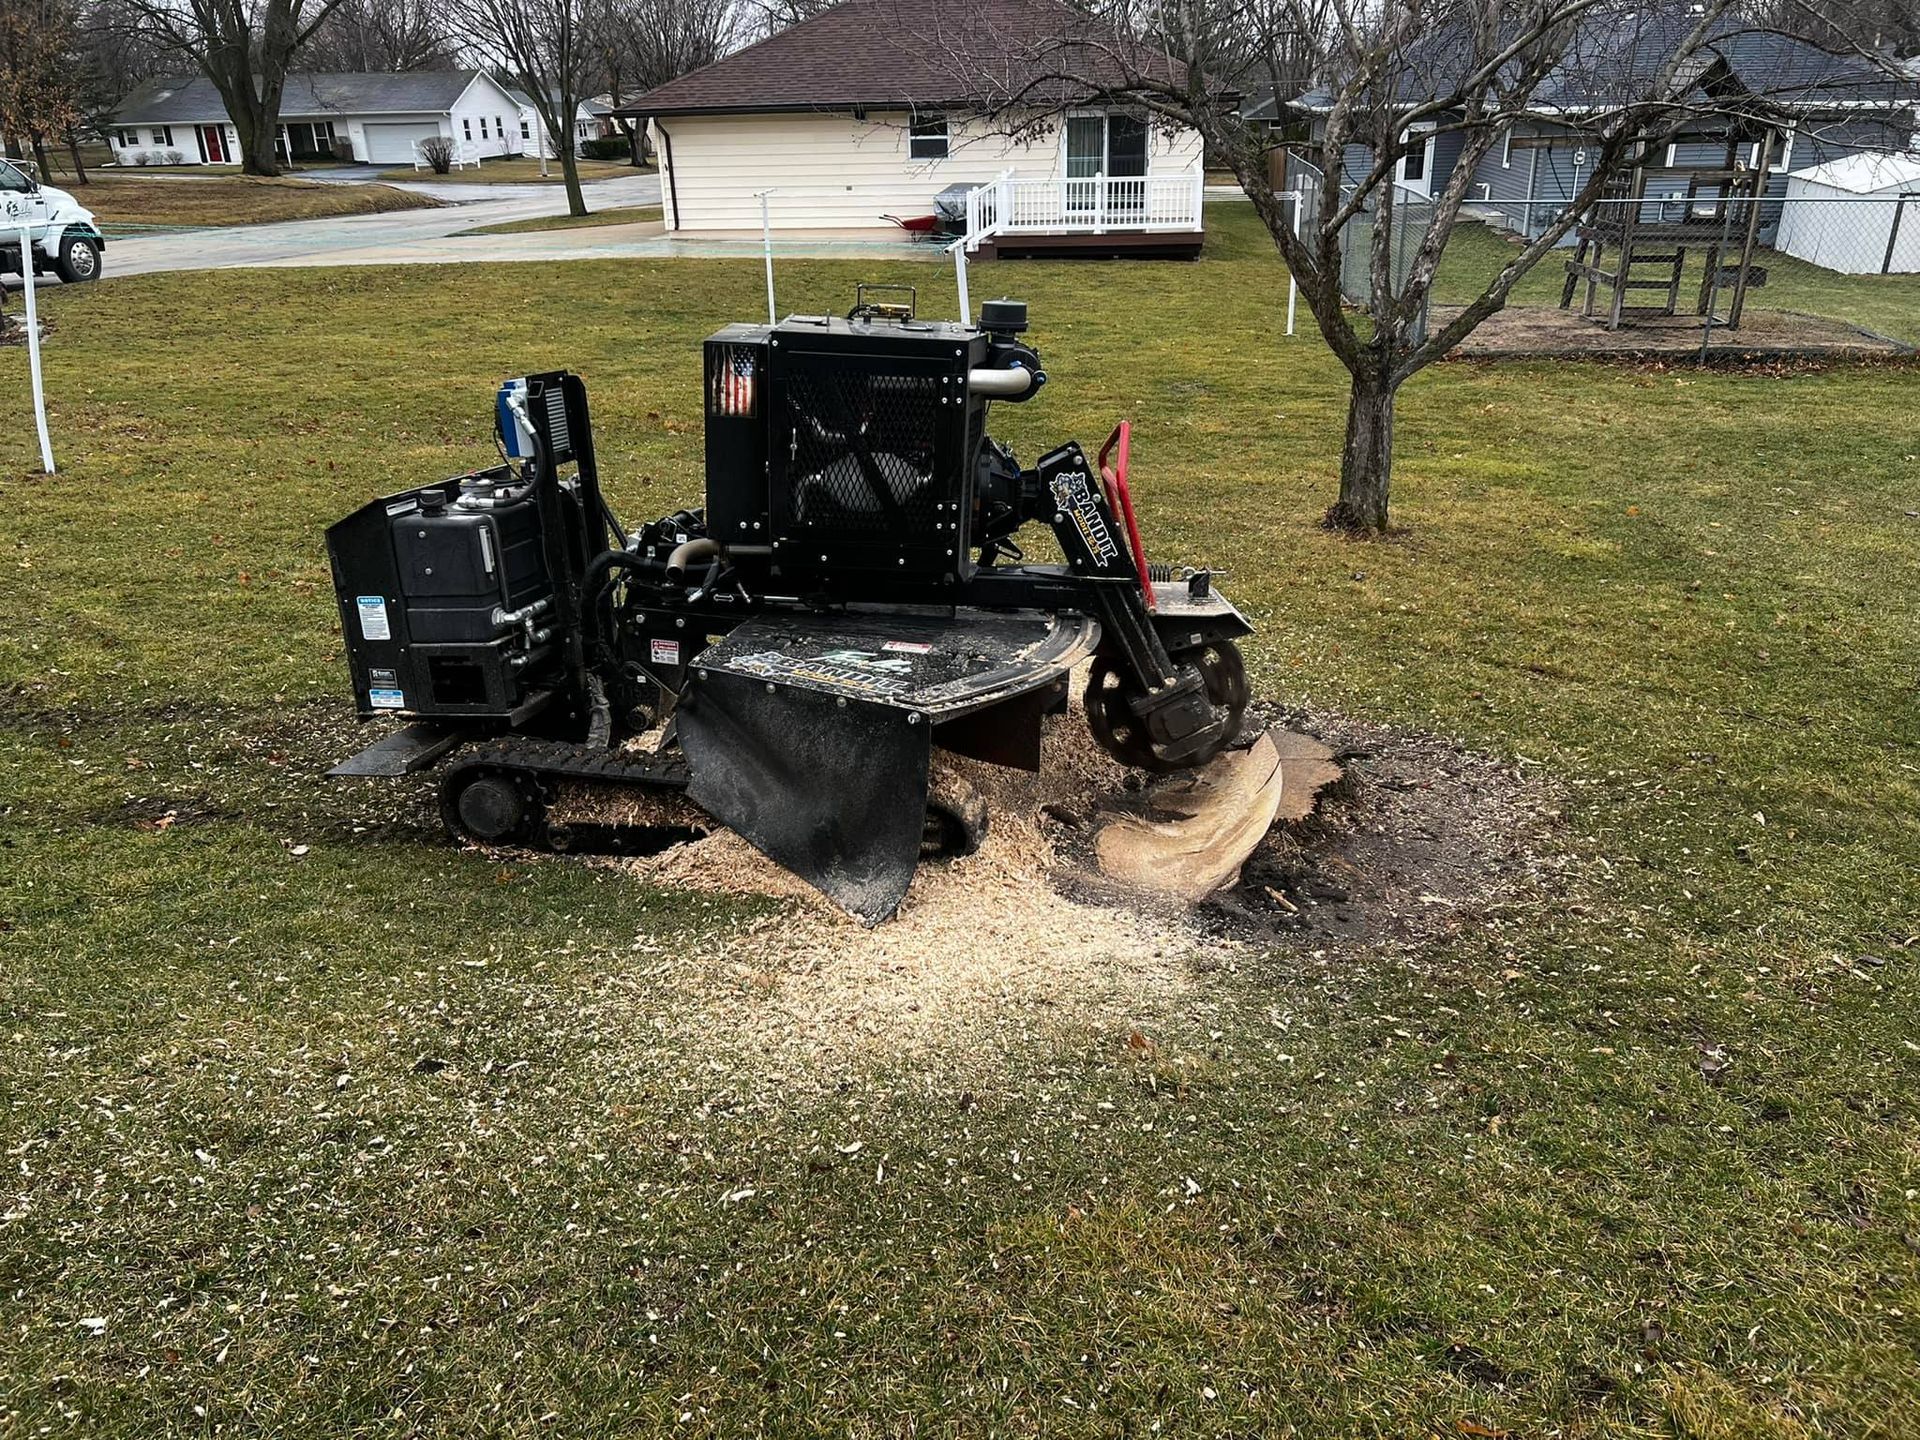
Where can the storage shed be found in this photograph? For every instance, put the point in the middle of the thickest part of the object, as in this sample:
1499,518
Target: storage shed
1859,215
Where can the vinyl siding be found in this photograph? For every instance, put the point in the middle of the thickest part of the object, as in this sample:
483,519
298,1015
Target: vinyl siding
835,172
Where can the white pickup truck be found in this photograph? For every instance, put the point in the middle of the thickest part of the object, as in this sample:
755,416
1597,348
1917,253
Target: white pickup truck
65,238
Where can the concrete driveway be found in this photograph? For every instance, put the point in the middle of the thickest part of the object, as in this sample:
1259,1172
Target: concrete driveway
400,236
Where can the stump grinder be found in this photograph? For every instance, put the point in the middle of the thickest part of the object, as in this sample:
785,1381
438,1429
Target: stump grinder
788,656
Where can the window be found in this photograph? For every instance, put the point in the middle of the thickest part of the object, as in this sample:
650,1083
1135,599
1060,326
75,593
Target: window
1414,167
310,139
128,139
526,129
12,179
499,128
1506,149
467,127
163,135
483,127
928,139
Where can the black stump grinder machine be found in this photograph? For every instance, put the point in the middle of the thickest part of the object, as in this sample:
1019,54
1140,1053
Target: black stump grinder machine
850,596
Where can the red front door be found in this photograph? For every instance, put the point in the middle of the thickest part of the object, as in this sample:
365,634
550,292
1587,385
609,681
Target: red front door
213,144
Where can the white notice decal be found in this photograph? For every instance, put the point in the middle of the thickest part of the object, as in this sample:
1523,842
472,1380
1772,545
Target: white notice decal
373,618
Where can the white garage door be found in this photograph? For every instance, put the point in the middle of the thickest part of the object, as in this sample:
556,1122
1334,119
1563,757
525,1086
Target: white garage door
393,144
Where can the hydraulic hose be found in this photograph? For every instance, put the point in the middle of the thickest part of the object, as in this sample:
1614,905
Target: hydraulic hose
685,553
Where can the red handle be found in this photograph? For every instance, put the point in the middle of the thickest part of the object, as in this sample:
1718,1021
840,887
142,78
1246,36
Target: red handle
1114,480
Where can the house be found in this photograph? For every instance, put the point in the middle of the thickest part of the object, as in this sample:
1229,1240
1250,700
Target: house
591,121
378,119
1804,106
872,108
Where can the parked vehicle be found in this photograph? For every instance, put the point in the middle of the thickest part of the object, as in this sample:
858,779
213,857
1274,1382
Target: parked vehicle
65,238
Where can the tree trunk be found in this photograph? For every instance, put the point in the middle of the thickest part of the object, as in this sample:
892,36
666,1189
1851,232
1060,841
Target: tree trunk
257,126
570,168
1366,461
39,152
79,165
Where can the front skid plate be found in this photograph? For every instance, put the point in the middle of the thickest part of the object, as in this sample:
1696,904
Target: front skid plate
811,735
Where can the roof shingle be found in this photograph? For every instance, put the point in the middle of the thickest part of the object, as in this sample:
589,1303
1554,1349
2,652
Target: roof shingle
414,92
911,53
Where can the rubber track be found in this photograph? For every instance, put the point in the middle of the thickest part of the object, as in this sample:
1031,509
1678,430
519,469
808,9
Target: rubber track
557,760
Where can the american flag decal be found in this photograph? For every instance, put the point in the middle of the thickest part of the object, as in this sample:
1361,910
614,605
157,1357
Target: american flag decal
733,382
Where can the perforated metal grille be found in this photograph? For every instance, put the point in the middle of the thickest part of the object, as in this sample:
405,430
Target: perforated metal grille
864,451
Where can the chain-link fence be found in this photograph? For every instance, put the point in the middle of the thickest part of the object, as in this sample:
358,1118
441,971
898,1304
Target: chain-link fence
1808,272
1687,264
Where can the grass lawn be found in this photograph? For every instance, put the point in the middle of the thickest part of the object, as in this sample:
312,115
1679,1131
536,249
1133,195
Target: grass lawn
621,215
1886,304
518,170
128,204
316,1125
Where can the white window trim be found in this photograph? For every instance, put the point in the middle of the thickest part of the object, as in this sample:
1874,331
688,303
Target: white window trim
1422,187
946,135
466,128
1506,149
1106,139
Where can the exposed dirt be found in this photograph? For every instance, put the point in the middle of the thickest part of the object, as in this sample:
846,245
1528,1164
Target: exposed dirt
1545,331
1420,839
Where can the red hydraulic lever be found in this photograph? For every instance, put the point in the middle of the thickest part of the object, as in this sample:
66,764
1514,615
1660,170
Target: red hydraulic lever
1114,481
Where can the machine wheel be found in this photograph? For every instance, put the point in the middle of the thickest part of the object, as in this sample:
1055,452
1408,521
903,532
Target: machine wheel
1224,670
78,260
1110,714
488,808
956,818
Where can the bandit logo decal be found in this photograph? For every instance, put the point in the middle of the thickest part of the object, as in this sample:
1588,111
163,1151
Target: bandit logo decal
1073,498
848,672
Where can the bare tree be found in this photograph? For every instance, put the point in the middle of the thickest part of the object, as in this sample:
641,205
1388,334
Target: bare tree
371,36
245,47
1388,77
116,53
39,77
645,43
547,46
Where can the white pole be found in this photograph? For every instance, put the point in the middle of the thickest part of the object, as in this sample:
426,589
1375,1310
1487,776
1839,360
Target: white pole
766,242
959,249
1293,285
33,350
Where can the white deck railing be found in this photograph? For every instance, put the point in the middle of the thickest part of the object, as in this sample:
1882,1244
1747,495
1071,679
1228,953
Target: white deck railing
1092,205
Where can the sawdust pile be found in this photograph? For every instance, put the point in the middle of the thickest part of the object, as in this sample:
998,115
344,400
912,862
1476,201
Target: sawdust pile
984,945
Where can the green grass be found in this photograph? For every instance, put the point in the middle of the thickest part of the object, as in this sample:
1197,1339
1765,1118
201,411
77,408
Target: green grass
381,1138
127,204
620,215
518,170
1886,304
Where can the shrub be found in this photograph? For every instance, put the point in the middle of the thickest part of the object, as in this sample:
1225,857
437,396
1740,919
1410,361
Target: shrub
143,157
614,147
437,151
173,157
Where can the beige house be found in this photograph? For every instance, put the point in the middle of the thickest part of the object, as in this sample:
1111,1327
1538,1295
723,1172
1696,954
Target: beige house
863,115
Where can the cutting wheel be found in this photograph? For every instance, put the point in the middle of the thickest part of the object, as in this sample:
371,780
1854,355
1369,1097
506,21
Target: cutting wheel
1121,734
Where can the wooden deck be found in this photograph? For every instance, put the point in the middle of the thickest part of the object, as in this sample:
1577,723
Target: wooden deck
1110,245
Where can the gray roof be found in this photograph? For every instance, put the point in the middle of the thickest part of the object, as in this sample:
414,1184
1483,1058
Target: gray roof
1613,59
414,92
